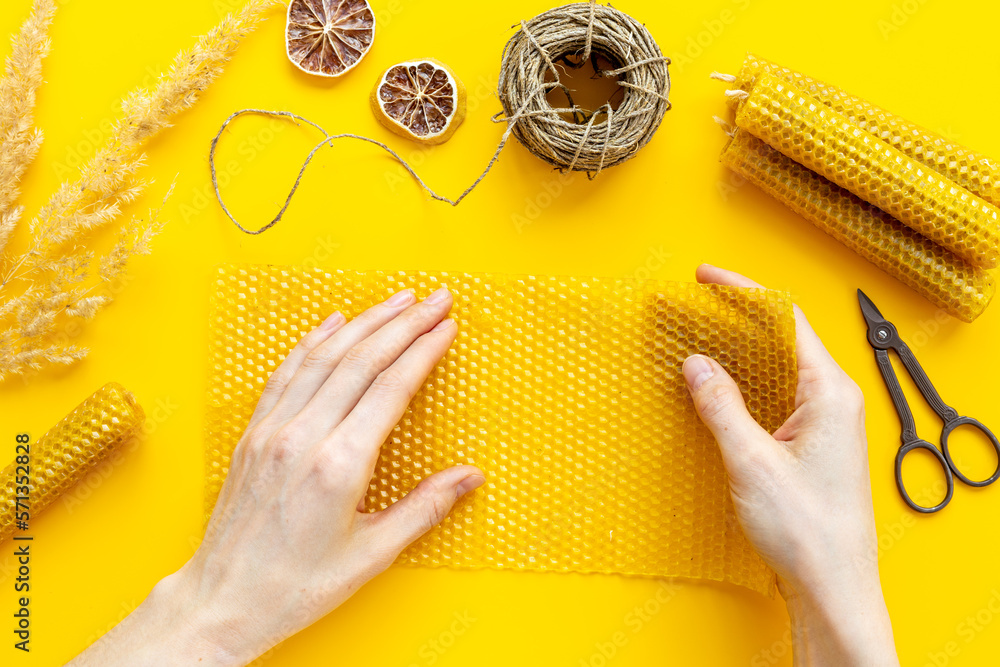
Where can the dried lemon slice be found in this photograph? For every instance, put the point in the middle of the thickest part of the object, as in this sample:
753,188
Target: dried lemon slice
421,100
328,37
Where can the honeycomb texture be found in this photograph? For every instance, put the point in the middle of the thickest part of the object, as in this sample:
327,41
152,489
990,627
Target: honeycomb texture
944,279
566,391
825,141
71,449
974,172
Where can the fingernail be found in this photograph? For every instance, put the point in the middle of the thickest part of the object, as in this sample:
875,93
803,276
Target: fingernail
470,483
697,371
443,324
438,296
333,321
400,298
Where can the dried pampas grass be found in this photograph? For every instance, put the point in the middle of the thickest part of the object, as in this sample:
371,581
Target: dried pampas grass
53,272
19,139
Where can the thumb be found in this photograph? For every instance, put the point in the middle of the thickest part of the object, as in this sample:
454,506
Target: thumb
426,505
720,405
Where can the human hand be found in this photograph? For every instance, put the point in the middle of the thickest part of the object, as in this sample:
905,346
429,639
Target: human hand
289,539
803,496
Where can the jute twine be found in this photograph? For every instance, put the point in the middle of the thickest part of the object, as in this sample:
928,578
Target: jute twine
572,35
568,36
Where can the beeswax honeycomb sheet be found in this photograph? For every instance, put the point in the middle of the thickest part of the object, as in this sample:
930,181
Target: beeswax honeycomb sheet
567,392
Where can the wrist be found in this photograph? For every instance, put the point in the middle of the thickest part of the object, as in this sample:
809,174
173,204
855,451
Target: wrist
841,621
165,630
193,633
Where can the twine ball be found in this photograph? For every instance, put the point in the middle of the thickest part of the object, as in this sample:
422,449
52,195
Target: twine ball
608,136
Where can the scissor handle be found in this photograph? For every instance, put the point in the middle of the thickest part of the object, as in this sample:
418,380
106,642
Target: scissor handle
949,480
969,421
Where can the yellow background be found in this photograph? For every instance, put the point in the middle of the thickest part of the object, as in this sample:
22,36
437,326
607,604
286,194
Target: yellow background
929,60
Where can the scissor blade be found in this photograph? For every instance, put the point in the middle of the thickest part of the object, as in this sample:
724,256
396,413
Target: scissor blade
868,309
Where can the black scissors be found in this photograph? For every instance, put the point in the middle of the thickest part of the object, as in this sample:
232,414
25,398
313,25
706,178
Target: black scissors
882,336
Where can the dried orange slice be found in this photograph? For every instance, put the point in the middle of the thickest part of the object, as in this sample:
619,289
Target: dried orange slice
328,37
421,100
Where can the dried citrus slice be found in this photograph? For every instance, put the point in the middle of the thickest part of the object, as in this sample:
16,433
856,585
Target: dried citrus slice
421,100
328,37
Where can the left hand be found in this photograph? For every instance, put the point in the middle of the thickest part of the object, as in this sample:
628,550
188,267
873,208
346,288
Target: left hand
289,539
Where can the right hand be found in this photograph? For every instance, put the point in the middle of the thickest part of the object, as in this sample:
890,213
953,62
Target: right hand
803,494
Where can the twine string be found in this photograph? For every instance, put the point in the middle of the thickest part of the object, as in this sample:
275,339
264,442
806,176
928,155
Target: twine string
542,51
582,145
607,141
329,139
625,68
579,147
590,29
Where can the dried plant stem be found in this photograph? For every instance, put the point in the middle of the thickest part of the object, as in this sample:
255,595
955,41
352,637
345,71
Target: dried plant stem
52,273
108,178
30,344
19,140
